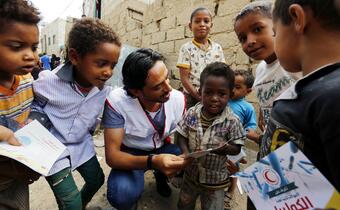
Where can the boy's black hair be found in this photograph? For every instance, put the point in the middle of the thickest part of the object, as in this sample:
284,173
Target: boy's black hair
87,33
327,12
247,75
17,11
197,10
262,7
218,69
136,68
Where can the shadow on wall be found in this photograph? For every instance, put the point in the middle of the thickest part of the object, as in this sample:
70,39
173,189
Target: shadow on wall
117,80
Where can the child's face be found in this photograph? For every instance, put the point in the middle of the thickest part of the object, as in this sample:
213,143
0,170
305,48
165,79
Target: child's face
255,34
240,88
286,47
200,24
215,94
94,68
18,49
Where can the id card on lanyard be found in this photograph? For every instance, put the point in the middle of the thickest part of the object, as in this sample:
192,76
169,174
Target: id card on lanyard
158,125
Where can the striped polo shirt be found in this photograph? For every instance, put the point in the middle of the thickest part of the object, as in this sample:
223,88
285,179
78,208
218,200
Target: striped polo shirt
15,105
15,102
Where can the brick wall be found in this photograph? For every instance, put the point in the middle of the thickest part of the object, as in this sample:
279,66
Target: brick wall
163,26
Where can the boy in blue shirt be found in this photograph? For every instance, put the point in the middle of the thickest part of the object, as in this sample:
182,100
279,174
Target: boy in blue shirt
244,81
46,60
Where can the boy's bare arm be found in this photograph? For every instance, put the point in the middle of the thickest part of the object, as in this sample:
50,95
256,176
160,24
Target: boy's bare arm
261,123
182,143
184,75
228,149
252,135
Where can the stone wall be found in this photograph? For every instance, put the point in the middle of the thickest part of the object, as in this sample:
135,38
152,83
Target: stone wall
163,26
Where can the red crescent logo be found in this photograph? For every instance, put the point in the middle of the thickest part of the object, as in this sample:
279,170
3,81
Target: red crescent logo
271,177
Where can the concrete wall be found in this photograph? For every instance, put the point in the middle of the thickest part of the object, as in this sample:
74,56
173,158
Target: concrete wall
54,29
163,26
126,19
166,29
69,24
89,7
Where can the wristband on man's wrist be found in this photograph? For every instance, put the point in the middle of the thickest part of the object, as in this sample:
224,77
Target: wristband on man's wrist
149,162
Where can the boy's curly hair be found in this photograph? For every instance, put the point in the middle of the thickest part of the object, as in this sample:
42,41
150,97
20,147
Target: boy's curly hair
218,69
17,11
87,33
247,76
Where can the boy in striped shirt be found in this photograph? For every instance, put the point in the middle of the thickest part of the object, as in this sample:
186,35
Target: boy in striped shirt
19,37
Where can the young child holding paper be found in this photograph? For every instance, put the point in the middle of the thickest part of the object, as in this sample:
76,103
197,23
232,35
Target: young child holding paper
19,38
207,125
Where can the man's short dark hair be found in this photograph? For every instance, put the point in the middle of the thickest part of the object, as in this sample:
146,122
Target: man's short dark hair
136,67
21,11
218,69
327,12
87,33
247,76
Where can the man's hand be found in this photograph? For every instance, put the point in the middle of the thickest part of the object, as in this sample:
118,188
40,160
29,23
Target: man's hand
8,135
187,160
169,164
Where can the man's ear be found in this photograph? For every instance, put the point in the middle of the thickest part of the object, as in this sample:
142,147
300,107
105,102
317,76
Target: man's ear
135,92
249,90
299,18
73,56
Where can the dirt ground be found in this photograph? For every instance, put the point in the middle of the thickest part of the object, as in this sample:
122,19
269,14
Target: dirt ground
41,196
